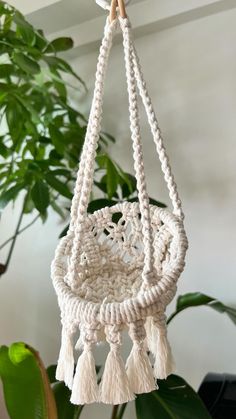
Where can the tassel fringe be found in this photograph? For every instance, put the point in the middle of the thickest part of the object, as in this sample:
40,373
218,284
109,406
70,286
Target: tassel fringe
65,366
164,361
85,388
159,345
139,371
115,388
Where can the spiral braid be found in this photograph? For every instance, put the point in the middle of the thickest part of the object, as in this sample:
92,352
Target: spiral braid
156,132
85,175
148,276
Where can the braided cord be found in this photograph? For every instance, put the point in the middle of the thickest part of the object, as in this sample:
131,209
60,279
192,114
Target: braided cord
148,271
85,174
156,132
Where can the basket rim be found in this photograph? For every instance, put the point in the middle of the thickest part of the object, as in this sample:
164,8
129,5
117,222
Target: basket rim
151,300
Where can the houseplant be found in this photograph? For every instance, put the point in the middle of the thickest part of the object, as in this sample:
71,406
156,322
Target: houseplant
42,134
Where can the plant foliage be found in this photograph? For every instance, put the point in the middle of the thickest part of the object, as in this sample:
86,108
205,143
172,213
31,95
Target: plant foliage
42,134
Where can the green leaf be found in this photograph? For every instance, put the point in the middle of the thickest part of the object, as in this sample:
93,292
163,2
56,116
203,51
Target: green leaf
59,186
6,70
15,121
59,44
157,203
29,204
151,201
65,409
24,29
40,196
7,23
18,352
58,209
4,150
10,195
97,204
62,394
64,231
25,63
58,63
61,88
51,372
197,299
107,136
112,178
26,387
57,138
112,175
175,399
129,185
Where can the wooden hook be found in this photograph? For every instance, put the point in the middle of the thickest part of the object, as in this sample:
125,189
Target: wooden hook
113,14
122,9
121,6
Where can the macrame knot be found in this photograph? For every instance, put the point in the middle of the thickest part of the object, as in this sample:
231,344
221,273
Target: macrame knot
124,23
138,366
110,26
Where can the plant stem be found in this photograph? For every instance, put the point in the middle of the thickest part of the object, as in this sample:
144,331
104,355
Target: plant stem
78,412
172,316
122,411
19,232
14,239
114,412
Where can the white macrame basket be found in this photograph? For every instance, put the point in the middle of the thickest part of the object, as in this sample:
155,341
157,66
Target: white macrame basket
117,269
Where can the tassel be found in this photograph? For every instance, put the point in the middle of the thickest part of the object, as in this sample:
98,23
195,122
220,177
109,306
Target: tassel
65,365
160,347
164,361
139,370
115,388
85,388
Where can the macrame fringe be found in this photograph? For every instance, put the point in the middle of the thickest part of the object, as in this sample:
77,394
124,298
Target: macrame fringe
65,365
139,370
115,388
85,387
164,362
159,346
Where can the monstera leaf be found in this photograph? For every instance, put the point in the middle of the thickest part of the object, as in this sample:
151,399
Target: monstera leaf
175,399
198,299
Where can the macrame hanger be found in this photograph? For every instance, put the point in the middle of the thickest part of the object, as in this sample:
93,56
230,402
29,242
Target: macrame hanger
87,166
85,174
89,265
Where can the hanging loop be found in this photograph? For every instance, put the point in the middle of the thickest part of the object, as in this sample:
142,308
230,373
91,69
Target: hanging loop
106,4
121,8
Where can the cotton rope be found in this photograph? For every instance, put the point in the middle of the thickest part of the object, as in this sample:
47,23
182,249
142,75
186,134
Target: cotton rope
117,268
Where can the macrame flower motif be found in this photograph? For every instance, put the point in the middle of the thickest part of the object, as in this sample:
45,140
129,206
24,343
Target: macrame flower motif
117,269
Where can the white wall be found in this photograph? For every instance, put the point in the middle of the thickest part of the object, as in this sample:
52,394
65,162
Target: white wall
191,73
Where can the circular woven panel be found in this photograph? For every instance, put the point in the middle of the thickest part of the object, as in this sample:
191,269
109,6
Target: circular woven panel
111,255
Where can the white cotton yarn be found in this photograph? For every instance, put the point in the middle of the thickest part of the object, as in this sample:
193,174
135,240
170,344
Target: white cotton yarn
117,268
